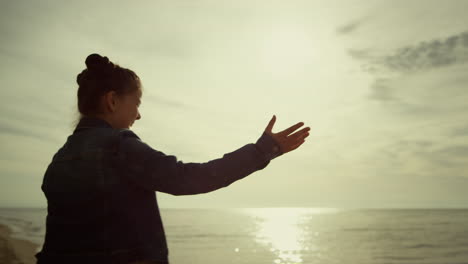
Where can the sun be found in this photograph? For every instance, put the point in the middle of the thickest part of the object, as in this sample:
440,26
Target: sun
286,51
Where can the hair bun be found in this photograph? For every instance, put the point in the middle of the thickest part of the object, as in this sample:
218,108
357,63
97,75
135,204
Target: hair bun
97,63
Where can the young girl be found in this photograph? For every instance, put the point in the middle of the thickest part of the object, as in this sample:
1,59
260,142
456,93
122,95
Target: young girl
101,185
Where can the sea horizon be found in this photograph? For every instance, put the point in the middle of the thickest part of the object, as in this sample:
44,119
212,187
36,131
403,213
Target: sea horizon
295,234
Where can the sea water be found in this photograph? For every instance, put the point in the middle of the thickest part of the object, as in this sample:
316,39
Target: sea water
296,235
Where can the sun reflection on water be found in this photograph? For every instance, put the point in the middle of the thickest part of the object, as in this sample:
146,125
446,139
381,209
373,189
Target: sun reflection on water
284,231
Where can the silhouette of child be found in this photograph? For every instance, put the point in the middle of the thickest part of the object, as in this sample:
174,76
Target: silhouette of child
101,184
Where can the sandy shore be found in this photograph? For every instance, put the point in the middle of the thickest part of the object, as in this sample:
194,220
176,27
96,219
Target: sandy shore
15,251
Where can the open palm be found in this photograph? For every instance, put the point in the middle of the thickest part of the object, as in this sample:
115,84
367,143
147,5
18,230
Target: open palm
285,139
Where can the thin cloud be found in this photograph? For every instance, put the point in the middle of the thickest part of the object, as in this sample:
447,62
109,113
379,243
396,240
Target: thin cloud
360,54
30,117
436,94
349,28
382,91
459,131
8,129
165,102
450,157
435,157
455,151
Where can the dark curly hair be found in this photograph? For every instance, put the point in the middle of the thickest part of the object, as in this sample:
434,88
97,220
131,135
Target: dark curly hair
100,77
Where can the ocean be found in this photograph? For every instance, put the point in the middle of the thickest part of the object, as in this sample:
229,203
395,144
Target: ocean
296,235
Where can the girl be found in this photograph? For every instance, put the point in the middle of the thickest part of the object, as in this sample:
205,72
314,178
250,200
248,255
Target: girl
101,185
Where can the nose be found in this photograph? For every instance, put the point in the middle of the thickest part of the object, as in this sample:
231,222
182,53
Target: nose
139,116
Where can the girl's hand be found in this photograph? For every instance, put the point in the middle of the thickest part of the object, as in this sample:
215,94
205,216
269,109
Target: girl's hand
286,141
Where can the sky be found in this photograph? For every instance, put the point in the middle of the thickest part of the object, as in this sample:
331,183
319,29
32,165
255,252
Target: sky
381,84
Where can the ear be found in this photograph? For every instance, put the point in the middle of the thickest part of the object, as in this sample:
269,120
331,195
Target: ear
110,101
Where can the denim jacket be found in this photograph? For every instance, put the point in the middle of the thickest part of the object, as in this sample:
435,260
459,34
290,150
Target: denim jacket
101,192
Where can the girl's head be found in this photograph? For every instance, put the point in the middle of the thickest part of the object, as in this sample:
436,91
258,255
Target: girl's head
109,92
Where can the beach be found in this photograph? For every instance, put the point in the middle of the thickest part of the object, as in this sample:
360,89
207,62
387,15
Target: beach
15,251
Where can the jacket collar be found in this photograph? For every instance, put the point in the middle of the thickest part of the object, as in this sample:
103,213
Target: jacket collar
90,122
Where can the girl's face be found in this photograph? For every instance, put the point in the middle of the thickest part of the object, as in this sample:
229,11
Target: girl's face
126,111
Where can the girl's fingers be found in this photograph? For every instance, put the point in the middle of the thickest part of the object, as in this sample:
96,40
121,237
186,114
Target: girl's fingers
296,142
291,129
269,127
295,146
300,134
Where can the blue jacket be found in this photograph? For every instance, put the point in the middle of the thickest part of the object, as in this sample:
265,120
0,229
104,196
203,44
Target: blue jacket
101,200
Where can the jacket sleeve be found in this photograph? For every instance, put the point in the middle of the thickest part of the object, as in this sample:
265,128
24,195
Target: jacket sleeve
154,170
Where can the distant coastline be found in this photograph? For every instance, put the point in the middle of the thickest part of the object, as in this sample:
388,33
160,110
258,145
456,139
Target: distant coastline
14,250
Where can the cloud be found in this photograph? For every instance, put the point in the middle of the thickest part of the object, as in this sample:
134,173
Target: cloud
32,133
425,55
349,28
425,157
360,54
436,92
34,122
30,115
381,90
455,151
423,88
451,158
459,131
165,102
424,80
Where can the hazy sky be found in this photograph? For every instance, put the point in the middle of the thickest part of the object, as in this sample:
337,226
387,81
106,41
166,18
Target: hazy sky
382,84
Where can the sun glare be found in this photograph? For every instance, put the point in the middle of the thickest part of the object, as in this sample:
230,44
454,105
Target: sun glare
282,231
287,51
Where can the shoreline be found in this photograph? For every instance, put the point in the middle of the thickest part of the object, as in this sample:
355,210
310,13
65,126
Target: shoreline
15,251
